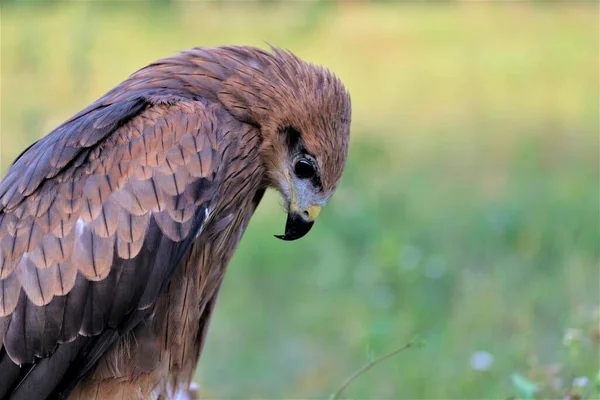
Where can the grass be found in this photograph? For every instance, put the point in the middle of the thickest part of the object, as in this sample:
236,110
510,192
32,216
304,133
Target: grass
468,213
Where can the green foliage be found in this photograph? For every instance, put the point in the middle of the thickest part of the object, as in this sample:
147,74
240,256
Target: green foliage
561,379
468,212
524,387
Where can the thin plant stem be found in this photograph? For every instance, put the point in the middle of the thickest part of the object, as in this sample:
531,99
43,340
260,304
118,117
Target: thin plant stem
366,367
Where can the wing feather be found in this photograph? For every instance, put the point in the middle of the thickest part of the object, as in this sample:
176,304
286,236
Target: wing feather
16,338
66,273
7,265
173,183
127,250
4,321
40,256
10,287
107,206
131,227
92,254
98,304
39,208
106,223
176,231
37,283
75,301
55,247
43,326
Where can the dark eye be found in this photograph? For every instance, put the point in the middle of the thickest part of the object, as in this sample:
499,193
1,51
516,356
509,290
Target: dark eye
304,169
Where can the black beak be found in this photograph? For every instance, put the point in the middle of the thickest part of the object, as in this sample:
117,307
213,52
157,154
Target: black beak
295,227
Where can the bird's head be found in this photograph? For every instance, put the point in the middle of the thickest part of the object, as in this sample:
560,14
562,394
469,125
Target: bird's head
303,112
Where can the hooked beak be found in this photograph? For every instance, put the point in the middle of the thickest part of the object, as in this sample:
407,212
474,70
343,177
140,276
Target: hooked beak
298,225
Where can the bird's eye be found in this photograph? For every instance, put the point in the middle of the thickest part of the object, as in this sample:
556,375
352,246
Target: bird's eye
304,169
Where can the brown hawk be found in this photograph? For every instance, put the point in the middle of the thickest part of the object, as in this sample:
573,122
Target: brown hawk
116,228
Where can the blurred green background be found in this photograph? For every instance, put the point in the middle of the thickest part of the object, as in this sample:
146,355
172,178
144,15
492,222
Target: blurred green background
468,213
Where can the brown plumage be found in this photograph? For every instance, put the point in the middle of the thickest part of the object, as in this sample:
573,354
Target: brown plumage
116,228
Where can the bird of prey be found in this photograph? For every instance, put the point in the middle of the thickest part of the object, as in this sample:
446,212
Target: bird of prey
116,228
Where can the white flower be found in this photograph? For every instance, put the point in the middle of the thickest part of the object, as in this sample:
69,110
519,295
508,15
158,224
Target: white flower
580,382
482,361
572,336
